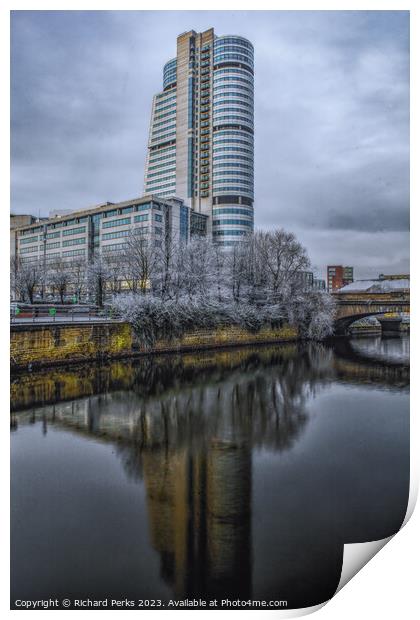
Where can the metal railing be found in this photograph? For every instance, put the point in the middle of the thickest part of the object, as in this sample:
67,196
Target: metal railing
63,313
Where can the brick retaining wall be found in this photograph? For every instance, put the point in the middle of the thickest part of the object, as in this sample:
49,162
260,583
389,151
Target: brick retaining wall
46,345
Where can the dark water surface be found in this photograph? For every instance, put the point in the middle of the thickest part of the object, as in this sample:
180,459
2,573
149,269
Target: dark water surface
228,474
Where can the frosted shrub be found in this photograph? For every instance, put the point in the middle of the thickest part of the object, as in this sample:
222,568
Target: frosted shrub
258,282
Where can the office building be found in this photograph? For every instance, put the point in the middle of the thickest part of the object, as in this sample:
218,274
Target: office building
310,282
307,278
103,230
338,276
201,139
16,221
319,284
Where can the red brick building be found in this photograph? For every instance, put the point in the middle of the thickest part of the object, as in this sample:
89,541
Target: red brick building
338,276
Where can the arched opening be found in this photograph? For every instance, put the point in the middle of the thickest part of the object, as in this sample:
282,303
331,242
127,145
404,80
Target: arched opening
342,325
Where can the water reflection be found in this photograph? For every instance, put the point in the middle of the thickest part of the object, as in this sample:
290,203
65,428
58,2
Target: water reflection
194,432
391,350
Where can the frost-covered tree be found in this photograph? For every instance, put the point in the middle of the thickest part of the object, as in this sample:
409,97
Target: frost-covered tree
198,268
97,277
220,272
14,264
279,262
78,270
27,278
114,264
138,261
58,277
312,312
238,265
166,279
259,281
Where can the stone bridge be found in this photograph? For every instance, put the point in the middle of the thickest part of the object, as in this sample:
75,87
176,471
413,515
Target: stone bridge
354,306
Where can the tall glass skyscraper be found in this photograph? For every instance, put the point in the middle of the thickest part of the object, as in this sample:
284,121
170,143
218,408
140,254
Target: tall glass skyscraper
201,140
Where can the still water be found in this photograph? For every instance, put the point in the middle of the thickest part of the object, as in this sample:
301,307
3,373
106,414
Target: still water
228,474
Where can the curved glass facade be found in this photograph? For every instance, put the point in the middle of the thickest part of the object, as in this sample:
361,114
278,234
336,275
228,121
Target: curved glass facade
229,49
201,138
233,139
169,73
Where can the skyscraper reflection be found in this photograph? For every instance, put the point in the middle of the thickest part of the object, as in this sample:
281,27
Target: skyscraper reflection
190,432
200,520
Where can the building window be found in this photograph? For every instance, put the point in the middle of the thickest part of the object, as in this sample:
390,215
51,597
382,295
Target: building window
233,222
234,233
75,253
124,221
31,239
74,231
141,218
113,247
78,241
142,207
116,235
33,248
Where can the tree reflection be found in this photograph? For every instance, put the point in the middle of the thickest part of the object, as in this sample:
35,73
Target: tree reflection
187,426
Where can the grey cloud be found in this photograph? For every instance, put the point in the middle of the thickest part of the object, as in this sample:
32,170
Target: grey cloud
331,117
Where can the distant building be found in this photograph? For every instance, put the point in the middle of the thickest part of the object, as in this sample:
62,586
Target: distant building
307,278
399,276
338,276
319,284
383,285
104,230
16,221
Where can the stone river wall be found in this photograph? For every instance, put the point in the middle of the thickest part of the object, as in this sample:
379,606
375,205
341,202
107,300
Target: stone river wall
33,345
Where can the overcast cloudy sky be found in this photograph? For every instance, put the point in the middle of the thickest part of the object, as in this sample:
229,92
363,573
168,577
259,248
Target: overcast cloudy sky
331,119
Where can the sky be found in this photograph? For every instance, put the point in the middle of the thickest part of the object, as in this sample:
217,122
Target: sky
331,119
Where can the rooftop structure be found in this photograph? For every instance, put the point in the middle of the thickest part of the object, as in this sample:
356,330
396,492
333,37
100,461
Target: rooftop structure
377,286
395,276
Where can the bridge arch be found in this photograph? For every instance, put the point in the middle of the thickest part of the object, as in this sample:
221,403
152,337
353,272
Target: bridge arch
371,298
341,325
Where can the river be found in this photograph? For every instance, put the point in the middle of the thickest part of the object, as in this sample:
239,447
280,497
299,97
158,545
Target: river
222,475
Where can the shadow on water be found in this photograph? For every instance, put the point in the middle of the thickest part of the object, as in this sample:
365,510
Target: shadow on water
246,472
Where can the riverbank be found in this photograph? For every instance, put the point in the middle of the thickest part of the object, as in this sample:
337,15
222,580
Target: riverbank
47,345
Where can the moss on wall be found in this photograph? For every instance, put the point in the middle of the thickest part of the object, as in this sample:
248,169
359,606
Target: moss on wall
60,343
43,345
225,336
